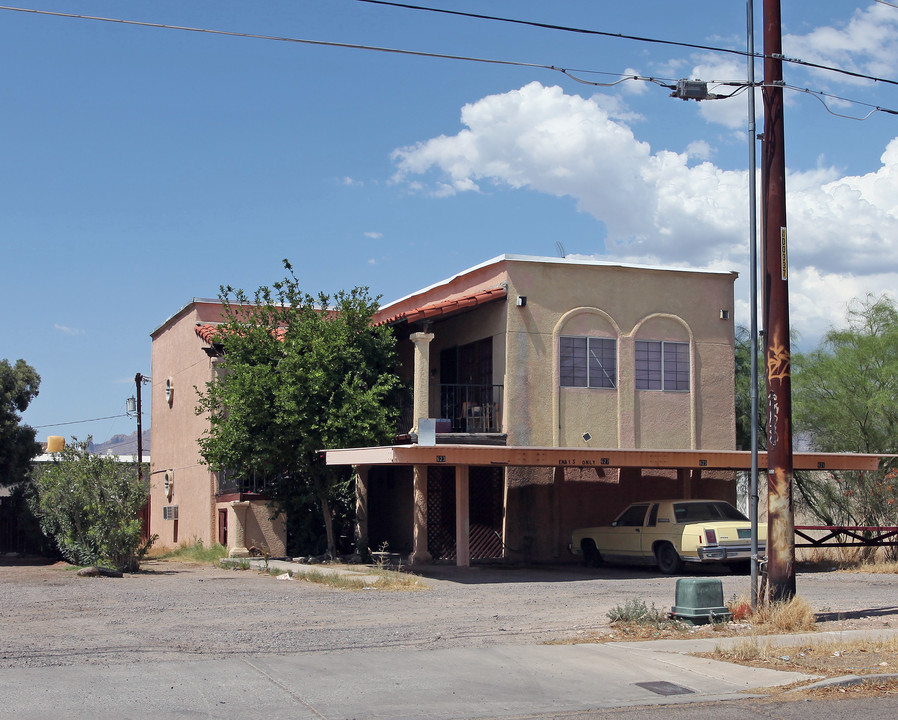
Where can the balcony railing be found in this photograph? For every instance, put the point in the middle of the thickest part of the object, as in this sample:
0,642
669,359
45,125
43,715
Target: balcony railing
467,408
472,408
231,482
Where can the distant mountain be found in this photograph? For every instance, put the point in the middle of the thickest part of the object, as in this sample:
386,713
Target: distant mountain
122,444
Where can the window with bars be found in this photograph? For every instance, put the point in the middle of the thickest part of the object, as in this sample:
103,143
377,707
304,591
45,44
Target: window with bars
588,362
662,365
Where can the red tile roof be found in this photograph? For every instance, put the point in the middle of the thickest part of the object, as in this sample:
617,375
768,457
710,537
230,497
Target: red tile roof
207,331
444,308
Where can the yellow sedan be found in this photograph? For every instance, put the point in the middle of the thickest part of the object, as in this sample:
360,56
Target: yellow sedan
668,533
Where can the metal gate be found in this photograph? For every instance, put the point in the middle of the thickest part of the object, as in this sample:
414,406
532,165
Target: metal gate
486,493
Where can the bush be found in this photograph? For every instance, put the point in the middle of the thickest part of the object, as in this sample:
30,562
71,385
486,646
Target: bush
90,505
636,611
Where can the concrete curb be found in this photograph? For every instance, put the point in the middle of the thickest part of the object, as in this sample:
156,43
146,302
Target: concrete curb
844,681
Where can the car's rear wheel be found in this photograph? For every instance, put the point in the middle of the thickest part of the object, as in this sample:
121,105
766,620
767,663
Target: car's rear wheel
591,555
669,561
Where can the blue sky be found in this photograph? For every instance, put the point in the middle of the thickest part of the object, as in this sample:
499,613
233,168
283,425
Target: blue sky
142,167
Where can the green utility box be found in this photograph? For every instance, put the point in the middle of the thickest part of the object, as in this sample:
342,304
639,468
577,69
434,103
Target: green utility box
699,601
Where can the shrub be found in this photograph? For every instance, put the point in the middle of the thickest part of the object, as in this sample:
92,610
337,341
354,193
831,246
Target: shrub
89,505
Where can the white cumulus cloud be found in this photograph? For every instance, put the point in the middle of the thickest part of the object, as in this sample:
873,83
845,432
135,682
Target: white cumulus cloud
659,208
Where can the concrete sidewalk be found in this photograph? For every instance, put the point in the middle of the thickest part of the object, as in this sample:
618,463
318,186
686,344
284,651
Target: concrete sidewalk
495,682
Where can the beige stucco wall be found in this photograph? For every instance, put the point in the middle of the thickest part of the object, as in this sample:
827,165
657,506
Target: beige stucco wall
570,298
264,528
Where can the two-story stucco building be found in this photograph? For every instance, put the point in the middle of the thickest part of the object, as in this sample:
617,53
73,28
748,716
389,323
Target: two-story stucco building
557,353
517,351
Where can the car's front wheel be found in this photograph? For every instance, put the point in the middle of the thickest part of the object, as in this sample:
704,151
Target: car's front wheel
591,555
668,559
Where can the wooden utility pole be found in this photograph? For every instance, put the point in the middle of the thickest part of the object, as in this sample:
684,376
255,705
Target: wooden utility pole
139,380
780,521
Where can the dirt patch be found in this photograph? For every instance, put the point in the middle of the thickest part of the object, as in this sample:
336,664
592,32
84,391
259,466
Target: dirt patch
170,610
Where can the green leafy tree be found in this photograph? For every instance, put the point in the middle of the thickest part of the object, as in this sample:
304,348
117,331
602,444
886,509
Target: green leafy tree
90,504
743,393
844,400
299,374
18,387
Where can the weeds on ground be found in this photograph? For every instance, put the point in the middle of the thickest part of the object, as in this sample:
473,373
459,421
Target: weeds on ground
636,612
857,656
372,579
768,618
197,553
851,559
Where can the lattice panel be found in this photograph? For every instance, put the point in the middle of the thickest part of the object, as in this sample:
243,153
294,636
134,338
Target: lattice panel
441,512
485,507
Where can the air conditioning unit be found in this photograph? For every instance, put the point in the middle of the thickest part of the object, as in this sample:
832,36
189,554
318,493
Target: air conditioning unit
169,512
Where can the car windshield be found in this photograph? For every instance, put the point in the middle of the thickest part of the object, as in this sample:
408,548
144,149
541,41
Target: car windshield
688,512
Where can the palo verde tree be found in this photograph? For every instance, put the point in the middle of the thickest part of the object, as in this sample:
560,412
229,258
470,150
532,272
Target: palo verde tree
299,374
90,504
18,387
845,401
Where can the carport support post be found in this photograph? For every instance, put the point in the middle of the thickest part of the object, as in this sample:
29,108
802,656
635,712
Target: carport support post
558,509
462,516
420,555
360,474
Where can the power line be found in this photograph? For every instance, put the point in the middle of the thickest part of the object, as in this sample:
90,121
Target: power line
277,38
78,422
567,72
623,36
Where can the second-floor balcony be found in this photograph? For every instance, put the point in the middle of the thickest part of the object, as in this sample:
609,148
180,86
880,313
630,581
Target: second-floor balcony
231,482
472,408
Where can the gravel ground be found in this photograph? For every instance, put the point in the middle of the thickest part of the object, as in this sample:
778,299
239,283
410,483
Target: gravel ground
49,616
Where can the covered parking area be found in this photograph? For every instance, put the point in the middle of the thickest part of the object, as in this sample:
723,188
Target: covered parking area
689,466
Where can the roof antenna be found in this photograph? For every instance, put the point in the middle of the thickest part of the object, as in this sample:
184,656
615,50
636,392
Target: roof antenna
560,248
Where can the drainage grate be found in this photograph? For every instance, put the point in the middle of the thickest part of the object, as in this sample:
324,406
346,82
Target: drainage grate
665,688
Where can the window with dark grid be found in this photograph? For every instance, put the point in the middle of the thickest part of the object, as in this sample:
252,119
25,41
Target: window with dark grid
588,362
662,365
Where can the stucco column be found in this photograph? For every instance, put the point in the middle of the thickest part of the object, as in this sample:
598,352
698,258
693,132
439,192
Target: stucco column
360,472
420,553
462,516
421,397
420,408
238,549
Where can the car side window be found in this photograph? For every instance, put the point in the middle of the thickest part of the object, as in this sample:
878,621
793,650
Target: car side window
653,516
633,516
